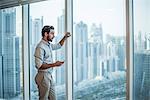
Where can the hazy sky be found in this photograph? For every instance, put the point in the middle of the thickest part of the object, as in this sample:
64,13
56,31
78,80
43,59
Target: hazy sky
111,13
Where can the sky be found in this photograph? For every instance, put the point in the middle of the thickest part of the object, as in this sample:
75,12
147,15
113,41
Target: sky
109,13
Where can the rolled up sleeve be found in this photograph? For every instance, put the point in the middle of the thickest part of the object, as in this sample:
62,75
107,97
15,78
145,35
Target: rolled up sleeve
39,56
55,46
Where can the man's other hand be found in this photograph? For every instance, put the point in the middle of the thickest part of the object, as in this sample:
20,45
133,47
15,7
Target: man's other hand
59,63
67,34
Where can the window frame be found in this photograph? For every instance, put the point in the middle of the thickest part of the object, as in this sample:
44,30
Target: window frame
69,43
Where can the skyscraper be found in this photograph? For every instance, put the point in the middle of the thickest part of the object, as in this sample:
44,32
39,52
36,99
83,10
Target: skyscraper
9,54
35,36
1,77
1,35
97,49
81,40
110,55
139,42
141,75
60,54
121,53
17,64
36,30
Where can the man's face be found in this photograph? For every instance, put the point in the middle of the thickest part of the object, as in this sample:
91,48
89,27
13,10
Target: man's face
50,36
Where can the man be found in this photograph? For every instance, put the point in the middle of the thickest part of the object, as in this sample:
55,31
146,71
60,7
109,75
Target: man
44,63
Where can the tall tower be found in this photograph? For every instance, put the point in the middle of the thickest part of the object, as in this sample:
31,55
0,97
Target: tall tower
9,54
1,35
60,54
1,77
36,30
111,55
121,53
95,51
81,54
35,36
141,75
140,42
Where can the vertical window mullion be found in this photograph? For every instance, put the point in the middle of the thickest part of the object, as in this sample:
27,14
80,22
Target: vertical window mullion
25,50
68,48
129,48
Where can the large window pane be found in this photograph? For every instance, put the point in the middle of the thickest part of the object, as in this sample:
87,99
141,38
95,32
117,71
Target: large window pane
11,83
47,13
141,83
99,50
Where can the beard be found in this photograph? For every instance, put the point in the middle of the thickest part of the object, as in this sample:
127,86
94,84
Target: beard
49,39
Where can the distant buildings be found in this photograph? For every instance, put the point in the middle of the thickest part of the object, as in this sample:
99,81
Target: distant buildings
9,55
95,52
81,54
35,36
60,54
141,75
92,57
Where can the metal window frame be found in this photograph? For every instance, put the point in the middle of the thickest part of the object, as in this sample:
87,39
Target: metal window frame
69,49
129,49
25,51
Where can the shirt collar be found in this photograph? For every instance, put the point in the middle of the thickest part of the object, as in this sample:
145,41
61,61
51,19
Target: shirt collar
47,43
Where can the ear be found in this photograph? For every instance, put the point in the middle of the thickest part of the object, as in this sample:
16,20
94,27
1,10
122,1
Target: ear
45,34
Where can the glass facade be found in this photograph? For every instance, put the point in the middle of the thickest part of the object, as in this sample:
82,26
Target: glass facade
52,13
99,58
10,53
98,49
141,76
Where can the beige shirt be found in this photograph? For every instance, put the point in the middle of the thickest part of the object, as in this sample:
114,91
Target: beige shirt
43,54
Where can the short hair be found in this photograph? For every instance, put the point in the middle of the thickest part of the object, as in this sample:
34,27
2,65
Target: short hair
46,28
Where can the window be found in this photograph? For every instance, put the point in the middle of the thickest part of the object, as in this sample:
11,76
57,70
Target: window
141,76
51,13
99,30
11,84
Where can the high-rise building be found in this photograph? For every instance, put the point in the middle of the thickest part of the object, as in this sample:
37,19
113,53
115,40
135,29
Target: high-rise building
36,30
139,42
81,40
141,75
60,54
17,64
1,78
9,55
35,36
110,55
121,54
1,35
95,51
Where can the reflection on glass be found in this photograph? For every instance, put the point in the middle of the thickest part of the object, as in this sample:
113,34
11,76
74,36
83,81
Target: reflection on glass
10,54
99,54
141,83
51,13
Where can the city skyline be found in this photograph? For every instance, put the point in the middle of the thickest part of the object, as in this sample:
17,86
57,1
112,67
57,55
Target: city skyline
82,30
10,55
99,57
